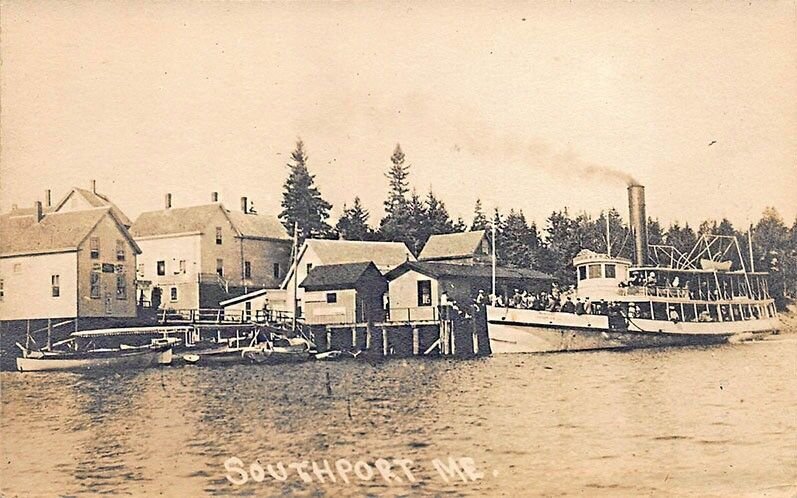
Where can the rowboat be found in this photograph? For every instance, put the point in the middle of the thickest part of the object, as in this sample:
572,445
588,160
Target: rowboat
280,350
35,361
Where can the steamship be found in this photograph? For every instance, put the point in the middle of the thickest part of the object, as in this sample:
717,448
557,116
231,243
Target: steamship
663,298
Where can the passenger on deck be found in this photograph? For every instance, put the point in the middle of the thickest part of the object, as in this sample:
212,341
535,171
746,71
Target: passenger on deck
568,306
587,306
632,311
674,318
676,281
579,307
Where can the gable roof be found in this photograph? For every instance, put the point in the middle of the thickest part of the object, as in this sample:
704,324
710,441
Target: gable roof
452,245
94,199
56,232
342,276
385,255
195,219
436,269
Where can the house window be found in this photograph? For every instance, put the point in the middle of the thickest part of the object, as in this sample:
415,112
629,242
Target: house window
55,281
594,271
609,271
2,290
161,268
582,272
121,286
248,310
182,266
247,269
141,270
220,267
173,294
95,247
332,297
17,267
120,250
424,292
218,236
309,267
276,270
95,285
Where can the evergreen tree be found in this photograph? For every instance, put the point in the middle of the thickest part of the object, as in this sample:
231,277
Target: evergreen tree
394,225
353,223
655,232
414,232
773,253
301,200
519,241
436,220
682,238
480,221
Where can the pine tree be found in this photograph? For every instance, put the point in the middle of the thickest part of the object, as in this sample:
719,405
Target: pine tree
353,223
480,221
301,200
519,241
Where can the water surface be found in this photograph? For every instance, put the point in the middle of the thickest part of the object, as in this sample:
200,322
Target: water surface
715,421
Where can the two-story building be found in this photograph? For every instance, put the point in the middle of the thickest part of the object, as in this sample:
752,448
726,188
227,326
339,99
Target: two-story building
196,257
65,264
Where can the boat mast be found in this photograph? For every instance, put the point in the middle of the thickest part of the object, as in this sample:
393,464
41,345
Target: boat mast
608,240
750,246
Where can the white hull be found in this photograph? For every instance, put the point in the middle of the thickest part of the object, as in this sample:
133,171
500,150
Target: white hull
137,359
529,331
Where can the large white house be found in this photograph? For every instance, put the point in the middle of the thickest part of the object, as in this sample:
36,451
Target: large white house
66,263
196,257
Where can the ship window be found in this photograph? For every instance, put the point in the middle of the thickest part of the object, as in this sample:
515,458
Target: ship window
594,271
55,281
609,271
332,297
582,272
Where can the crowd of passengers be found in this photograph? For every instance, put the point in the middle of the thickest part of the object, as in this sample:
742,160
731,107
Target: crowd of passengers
564,302
703,292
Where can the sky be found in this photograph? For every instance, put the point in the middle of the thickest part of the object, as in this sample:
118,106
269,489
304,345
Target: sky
533,106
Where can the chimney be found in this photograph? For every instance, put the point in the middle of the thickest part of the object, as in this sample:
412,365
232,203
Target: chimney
48,198
168,201
94,186
214,197
244,204
39,211
638,223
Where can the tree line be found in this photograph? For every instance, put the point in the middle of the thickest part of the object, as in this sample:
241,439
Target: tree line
411,217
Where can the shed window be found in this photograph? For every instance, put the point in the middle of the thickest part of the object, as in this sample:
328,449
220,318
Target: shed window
95,284
332,297
424,292
594,271
173,294
55,281
161,268
609,271
94,244
121,286
582,272
120,250
218,236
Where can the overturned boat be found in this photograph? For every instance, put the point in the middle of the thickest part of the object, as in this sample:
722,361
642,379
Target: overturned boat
666,299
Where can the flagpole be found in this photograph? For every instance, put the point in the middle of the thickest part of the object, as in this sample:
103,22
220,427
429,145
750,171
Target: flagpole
750,246
295,273
493,259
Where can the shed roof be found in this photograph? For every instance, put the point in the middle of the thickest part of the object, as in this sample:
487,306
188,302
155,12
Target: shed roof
452,245
342,276
196,218
56,232
438,270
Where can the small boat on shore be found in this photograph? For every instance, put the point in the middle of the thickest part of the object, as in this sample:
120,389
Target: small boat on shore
280,350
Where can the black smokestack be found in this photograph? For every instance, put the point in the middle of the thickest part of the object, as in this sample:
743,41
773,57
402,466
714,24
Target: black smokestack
638,223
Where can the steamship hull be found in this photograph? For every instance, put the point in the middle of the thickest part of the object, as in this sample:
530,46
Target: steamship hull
528,331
